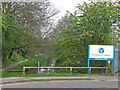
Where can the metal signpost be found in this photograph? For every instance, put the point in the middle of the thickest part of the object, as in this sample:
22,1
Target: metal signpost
101,52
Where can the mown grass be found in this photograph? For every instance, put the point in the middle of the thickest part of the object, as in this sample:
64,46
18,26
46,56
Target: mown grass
6,74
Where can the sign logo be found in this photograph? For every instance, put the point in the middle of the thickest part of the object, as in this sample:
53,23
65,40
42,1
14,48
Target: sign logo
101,50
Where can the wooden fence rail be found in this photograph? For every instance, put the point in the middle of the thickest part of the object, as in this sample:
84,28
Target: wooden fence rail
71,68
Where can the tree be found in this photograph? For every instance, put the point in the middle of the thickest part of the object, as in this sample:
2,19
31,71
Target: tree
12,36
36,17
89,24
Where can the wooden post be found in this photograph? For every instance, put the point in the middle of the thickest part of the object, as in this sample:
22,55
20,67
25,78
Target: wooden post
38,68
48,70
70,69
23,70
106,70
90,70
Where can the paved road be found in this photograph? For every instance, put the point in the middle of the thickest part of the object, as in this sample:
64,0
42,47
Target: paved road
65,84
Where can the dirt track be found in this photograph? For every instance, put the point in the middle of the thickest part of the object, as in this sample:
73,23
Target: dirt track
12,65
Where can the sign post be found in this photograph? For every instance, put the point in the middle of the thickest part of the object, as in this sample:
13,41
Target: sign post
101,52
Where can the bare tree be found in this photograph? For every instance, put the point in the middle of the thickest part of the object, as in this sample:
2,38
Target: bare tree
35,15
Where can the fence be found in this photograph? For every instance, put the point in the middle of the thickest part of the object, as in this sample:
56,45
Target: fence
71,68
117,57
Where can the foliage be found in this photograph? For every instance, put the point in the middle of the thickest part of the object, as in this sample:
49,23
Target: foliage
26,34
36,16
12,36
109,68
90,24
37,25
14,60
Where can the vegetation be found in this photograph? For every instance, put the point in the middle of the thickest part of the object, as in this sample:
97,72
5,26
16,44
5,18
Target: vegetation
90,24
24,38
37,38
12,36
20,74
14,60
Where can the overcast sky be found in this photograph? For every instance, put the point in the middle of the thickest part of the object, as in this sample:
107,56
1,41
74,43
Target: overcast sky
63,5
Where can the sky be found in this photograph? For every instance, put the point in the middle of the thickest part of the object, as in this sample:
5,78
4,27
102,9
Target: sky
63,5
69,5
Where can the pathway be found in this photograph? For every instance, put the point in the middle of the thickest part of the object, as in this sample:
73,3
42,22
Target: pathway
12,65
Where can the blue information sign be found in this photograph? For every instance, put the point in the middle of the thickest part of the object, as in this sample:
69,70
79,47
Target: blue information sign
102,52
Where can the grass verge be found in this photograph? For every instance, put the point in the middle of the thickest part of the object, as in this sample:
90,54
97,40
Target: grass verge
6,74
